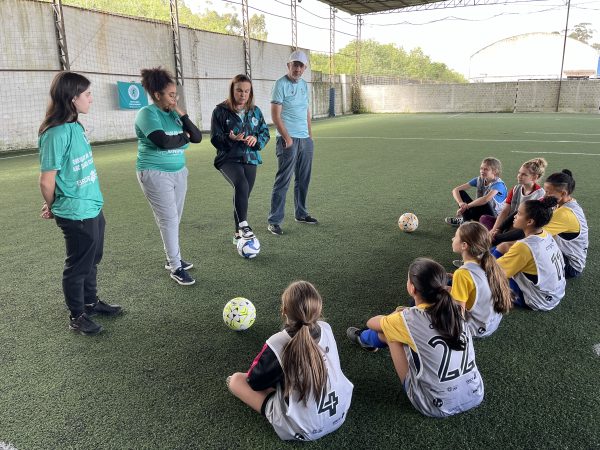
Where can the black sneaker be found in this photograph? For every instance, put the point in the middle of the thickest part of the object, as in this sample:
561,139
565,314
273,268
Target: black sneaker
103,308
454,221
84,325
246,232
182,277
275,229
353,334
307,219
184,264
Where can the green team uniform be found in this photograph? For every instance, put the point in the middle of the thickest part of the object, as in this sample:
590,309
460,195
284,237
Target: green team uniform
65,148
150,157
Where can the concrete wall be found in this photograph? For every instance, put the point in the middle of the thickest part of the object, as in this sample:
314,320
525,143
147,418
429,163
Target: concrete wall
108,48
523,96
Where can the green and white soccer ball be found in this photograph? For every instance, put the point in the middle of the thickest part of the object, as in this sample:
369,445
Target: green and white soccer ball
239,314
408,222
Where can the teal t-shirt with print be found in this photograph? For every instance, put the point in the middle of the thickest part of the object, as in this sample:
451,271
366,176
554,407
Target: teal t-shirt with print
294,100
150,157
65,148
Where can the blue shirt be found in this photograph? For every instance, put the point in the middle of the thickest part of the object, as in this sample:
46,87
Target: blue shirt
293,98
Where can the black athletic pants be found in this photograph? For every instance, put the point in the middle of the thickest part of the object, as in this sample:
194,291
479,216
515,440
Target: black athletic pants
241,177
507,233
84,240
477,211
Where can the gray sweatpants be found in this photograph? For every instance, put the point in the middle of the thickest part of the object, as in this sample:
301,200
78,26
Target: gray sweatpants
165,191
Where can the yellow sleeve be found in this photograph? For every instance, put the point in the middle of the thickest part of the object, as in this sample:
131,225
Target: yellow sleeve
463,288
395,330
563,221
518,259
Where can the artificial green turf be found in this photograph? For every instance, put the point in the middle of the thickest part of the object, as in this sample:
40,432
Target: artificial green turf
156,377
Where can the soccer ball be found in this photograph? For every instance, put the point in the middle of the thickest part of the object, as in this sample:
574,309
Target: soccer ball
408,222
239,314
248,248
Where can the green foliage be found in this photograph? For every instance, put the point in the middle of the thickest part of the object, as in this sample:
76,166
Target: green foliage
582,33
227,23
387,60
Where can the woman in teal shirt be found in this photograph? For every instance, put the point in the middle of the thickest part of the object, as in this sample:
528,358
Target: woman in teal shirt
71,191
164,131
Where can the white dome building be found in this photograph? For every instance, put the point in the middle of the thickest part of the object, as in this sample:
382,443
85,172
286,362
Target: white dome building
533,56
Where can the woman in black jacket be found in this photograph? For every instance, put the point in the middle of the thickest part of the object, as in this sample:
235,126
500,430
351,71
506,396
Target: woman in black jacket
238,131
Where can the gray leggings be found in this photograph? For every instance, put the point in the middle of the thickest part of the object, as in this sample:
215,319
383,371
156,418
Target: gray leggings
165,191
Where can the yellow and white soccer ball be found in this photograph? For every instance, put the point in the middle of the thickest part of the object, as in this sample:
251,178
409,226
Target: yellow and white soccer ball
239,314
408,222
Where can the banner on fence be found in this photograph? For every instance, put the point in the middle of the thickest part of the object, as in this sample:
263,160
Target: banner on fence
131,95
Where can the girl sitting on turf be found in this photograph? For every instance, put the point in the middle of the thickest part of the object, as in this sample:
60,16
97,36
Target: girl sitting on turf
491,192
296,381
534,264
479,284
430,344
568,224
527,189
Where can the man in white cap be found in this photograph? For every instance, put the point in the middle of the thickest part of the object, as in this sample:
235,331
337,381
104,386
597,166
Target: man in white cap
294,148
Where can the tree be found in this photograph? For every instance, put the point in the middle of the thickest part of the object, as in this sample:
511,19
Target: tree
386,60
227,23
582,32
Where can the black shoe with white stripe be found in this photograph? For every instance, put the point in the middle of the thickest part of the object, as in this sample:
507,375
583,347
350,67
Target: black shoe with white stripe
182,277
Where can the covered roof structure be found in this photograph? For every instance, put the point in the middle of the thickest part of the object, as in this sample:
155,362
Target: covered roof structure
362,7
374,6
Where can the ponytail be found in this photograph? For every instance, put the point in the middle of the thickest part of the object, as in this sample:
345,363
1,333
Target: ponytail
430,281
501,293
303,366
478,241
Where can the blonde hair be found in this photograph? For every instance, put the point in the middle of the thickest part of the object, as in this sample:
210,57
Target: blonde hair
303,366
536,166
494,164
478,241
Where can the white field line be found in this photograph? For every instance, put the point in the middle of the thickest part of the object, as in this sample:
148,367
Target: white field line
557,153
17,156
455,139
574,134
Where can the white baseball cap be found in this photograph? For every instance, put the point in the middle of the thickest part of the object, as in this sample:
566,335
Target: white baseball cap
299,56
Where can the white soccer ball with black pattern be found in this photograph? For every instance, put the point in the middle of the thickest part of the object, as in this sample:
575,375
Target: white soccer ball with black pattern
239,314
408,222
248,248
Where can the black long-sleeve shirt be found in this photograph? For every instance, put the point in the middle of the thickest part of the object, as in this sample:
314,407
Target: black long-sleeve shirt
166,142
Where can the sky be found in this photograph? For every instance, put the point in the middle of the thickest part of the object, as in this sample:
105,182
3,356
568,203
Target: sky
448,35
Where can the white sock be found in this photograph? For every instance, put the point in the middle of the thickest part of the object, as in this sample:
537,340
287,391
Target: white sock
243,224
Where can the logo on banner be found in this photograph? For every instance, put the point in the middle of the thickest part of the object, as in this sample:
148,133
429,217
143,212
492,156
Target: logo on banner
134,92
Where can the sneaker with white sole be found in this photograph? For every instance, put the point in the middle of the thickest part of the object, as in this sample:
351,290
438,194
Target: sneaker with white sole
275,229
353,334
186,265
182,277
235,239
454,221
246,232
